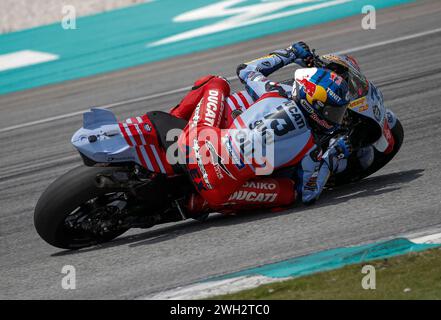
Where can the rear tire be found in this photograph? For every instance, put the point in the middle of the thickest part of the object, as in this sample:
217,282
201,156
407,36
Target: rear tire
60,199
380,160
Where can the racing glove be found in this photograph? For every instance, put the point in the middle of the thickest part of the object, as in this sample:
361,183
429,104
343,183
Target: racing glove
343,147
337,154
303,55
315,170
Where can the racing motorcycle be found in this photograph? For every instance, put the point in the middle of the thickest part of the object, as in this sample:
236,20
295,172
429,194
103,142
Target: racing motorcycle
126,182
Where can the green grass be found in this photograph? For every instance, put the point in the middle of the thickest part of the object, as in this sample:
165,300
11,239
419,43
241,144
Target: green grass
412,276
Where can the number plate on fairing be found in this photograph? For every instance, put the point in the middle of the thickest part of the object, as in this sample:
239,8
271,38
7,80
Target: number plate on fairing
282,120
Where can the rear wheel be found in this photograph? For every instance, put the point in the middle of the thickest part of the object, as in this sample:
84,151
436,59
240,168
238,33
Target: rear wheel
74,213
380,160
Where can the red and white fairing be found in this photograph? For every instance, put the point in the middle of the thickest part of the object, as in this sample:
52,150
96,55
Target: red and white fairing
105,140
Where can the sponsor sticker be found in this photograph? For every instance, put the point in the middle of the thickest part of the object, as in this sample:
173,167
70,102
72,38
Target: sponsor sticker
218,162
260,185
201,166
252,196
147,127
212,106
359,104
236,159
377,112
333,95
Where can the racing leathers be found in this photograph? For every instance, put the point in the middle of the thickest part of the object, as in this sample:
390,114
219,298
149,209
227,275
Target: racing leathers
218,161
316,165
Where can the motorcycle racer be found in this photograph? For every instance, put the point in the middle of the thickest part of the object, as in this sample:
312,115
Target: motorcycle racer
348,68
306,134
315,107
345,66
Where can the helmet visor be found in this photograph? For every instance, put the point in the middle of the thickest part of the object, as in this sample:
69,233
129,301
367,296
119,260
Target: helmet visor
334,114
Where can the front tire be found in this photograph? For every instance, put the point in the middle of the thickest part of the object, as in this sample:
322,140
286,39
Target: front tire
380,160
60,199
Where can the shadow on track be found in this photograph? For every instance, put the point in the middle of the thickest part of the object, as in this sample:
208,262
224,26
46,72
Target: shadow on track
365,188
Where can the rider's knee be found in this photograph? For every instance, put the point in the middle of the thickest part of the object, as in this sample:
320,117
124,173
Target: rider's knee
202,81
220,84
212,81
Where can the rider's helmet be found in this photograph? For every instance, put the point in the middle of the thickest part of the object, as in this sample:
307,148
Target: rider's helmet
323,97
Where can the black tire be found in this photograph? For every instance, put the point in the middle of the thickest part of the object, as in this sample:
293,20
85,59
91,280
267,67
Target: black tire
60,199
380,160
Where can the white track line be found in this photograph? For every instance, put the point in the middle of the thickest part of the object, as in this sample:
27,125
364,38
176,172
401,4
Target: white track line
212,288
179,90
76,113
390,41
24,58
429,239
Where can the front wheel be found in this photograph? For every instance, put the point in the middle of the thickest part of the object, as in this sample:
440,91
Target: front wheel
380,160
74,212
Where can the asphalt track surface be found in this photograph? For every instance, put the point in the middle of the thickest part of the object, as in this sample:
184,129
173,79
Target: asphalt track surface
401,198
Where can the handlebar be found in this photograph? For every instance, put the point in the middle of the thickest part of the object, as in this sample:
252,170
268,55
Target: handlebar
316,60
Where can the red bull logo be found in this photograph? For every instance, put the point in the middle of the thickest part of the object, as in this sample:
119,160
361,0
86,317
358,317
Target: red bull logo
313,92
310,87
